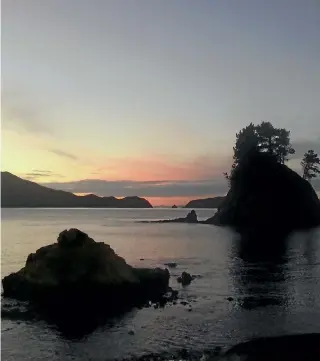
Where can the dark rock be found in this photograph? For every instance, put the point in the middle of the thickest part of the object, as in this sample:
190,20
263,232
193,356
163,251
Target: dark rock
267,199
141,259
185,279
205,203
73,238
229,299
174,206
183,354
131,332
190,218
78,278
304,347
175,294
171,264
163,302
170,296
184,303
196,276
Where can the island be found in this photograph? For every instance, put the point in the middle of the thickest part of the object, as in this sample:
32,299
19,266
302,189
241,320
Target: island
191,217
266,201
77,280
214,202
20,193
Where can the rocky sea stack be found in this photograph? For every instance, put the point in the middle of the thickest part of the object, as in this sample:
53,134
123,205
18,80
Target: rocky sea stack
266,198
78,277
191,217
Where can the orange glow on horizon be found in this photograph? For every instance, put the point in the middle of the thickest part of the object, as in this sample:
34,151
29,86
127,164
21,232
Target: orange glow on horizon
170,201
161,168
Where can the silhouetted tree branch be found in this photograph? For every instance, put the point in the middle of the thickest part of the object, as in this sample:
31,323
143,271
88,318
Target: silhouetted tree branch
310,165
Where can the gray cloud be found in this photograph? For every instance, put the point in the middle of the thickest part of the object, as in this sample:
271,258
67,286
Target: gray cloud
61,153
146,189
37,173
183,188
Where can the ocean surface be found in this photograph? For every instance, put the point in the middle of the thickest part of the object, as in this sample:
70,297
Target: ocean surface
269,297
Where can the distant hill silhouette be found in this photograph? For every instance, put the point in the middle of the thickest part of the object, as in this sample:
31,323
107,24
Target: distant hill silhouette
18,192
205,203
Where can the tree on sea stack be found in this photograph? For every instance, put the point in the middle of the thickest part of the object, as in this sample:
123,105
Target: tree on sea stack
310,165
275,141
264,138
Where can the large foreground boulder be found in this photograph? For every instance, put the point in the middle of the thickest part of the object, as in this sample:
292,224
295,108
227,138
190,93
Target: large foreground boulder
269,199
77,276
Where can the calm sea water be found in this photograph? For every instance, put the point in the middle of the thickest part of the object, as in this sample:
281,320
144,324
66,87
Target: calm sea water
269,298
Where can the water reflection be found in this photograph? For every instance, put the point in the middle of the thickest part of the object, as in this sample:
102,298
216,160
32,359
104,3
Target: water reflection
310,246
259,273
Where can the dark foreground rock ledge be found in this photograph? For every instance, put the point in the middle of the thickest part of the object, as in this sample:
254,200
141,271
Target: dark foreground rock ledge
294,347
77,276
298,347
268,198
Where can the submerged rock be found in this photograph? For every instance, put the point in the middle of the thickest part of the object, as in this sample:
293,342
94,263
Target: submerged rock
185,278
171,264
267,199
184,303
77,277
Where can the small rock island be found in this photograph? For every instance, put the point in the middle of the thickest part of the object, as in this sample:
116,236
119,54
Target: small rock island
77,277
190,218
266,199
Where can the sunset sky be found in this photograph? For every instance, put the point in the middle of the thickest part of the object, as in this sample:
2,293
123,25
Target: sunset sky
142,97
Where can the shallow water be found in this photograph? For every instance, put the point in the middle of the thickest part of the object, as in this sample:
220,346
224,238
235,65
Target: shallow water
269,298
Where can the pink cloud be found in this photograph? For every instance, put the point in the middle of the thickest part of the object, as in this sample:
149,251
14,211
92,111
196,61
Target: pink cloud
164,168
